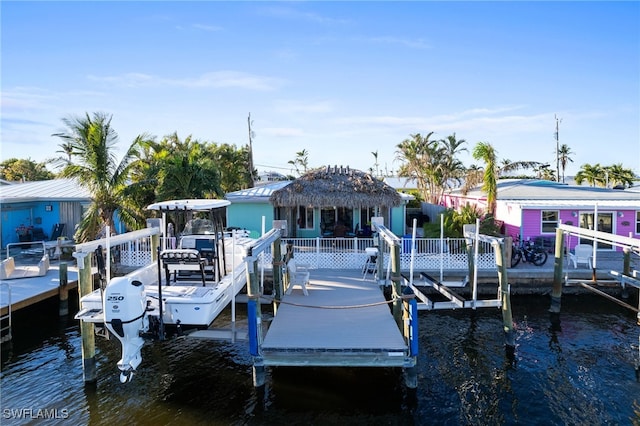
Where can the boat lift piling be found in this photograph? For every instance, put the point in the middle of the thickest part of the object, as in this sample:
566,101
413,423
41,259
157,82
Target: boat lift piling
556,293
254,292
390,239
63,310
405,305
85,286
455,301
505,296
504,291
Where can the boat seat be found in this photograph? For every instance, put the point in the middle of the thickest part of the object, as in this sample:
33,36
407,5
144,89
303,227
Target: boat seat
182,260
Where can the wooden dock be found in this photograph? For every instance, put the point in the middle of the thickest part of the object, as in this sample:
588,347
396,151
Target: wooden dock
19,293
344,321
28,291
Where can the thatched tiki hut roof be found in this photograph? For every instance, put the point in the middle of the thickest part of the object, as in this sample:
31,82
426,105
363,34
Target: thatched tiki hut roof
336,187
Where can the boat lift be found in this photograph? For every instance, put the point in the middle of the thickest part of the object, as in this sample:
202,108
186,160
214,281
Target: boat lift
626,277
454,300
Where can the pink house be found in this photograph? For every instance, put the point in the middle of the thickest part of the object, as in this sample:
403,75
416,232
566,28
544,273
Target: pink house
531,209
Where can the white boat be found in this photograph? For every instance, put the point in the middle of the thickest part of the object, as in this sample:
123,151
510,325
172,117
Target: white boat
187,287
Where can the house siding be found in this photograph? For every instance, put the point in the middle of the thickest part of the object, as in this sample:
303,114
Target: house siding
521,202
249,216
626,223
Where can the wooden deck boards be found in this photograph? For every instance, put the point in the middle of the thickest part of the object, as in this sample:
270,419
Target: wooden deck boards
341,313
27,291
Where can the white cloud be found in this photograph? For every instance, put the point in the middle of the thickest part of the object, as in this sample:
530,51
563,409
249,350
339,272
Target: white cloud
214,80
208,28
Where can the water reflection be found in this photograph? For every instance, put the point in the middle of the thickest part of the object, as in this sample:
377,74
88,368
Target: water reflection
578,369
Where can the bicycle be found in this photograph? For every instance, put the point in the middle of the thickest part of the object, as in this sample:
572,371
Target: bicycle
527,252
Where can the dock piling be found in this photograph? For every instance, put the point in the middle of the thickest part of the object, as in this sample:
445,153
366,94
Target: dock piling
505,294
64,290
278,289
85,286
254,314
626,270
556,293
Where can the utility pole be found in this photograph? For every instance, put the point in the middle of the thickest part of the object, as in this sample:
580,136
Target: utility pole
251,181
558,120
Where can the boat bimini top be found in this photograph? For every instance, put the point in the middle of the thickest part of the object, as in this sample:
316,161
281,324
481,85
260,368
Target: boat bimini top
193,205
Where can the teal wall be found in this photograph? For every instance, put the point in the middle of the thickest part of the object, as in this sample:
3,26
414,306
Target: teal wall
35,214
398,220
249,216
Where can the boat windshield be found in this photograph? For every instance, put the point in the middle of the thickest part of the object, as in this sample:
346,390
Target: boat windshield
198,227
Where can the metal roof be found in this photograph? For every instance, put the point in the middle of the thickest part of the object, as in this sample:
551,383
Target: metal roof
530,192
257,194
44,190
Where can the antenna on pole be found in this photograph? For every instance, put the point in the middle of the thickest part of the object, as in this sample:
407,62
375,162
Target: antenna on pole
557,134
251,181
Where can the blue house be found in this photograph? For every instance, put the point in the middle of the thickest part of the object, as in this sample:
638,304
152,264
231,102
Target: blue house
41,210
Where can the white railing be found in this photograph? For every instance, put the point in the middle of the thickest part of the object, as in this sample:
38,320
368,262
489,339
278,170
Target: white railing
128,249
349,253
334,253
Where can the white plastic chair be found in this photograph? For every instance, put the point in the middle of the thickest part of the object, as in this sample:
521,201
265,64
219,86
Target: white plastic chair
582,253
298,275
371,264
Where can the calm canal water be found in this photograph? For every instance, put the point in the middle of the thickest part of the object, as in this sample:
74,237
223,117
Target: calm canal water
578,372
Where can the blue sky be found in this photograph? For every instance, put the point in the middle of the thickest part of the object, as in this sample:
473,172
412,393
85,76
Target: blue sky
339,79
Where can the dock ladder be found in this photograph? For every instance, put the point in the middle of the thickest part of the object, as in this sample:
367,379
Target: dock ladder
5,320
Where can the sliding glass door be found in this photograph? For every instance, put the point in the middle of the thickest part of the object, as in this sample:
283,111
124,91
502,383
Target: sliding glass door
605,224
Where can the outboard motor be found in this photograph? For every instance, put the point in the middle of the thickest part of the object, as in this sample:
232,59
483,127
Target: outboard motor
124,307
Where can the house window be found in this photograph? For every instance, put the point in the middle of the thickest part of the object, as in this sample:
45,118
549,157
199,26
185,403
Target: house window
549,221
638,222
305,218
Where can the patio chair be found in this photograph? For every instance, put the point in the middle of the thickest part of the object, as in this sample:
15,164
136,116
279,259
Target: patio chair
298,276
582,253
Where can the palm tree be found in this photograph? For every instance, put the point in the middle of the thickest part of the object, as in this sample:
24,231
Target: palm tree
185,170
485,152
592,174
544,171
92,141
66,149
375,155
453,169
233,164
300,162
431,163
618,175
563,156
415,154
